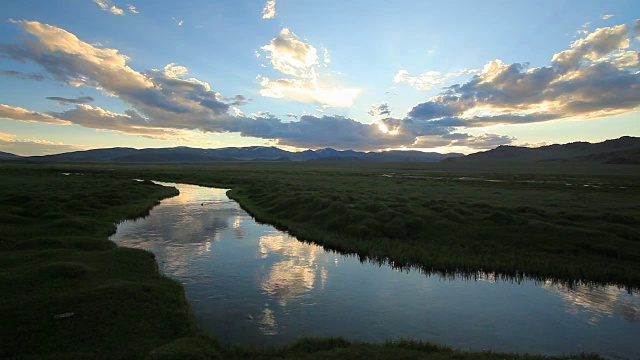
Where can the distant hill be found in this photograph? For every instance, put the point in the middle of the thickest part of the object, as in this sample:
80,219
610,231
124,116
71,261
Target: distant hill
8,156
252,153
625,150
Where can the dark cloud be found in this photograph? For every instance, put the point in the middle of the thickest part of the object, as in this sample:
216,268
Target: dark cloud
337,132
433,110
237,100
22,75
380,110
67,101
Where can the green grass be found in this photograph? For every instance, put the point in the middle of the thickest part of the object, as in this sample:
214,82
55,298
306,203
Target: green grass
55,257
510,219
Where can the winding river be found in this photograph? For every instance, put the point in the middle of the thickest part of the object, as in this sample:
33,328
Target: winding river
251,284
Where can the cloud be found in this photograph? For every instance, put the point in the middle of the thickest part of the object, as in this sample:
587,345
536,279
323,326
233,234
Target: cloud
237,111
269,11
168,104
133,9
237,100
584,29
22,114
428,80
479,142
67,101
291,56
167,96
606,16
382,109
128,123
34,147
326,58
326,131
105,5
22,75
304,91
596,77
6,137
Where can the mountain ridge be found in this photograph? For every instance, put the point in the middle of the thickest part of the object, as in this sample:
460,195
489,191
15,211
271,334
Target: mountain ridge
251,153
623,150
6,155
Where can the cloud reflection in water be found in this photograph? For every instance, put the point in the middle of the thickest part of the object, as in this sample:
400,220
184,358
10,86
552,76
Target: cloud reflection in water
295,274
183,228
598,302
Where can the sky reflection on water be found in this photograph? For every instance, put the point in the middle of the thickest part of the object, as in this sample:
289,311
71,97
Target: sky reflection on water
252,284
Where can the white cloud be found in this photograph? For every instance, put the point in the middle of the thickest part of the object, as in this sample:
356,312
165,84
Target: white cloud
290,55
600,42
175,71
6,137
269,10
22,114
308,91
107,6
606,16
596,77
428,80
298,59
584,29
237,111
133,9
34,147
327,57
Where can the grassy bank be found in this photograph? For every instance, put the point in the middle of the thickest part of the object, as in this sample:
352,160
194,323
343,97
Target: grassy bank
512,224
67,292
561,221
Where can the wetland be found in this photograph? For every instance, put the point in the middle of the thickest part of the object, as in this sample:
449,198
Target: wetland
566,237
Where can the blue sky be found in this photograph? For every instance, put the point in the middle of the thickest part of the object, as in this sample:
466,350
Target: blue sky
298,74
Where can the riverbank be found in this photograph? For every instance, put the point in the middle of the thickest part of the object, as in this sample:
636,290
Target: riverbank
569,223
68,292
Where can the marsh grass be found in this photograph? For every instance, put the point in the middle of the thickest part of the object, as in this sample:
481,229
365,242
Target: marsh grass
55,257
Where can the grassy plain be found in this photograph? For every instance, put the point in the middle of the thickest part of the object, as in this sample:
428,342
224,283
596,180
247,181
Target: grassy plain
568,222
56,260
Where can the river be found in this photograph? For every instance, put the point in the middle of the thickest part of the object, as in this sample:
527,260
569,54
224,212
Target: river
251,284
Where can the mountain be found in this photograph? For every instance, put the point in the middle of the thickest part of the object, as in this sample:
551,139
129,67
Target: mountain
408,155
87,155
8,156
252,153
625,150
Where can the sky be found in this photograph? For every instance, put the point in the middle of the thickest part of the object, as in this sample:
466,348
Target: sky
369,75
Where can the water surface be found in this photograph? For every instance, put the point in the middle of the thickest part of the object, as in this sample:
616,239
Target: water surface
251,284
